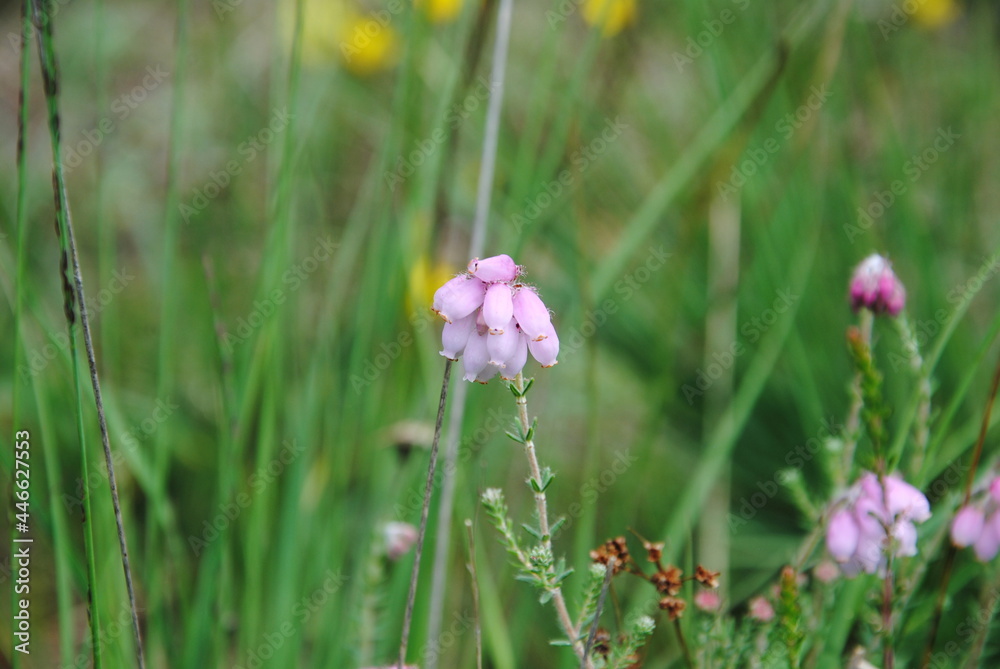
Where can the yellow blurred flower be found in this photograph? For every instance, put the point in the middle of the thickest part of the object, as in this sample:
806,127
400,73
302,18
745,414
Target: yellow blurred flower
610,15
332,31
936,13
424,280
440,11
369,44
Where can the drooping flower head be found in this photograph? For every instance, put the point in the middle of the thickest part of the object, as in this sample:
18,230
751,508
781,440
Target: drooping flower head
876,287
492,321
977,524
870,525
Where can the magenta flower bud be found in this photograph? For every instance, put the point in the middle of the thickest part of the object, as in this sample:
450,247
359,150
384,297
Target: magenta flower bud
546,349
988,543
498,307
476,357
876,287
967,526
842,536
531,313
459,297
455,335
502,346
497,268
517,361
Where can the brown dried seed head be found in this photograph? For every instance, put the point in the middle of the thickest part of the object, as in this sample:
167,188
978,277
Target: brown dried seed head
709,579
674,607
668,580
654,550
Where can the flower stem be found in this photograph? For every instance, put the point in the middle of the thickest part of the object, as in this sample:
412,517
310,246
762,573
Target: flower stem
852,429
541,504
428,490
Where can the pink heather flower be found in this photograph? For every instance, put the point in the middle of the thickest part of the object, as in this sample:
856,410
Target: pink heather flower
857,536
977,524
967,526
876,287
761,609
492,322
708,600
399,538
988,543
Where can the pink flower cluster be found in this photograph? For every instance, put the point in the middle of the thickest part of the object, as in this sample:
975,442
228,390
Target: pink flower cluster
860,535
978,525
492,321
876,287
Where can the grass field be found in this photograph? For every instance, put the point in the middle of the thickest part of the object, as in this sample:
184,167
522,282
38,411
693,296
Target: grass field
264,198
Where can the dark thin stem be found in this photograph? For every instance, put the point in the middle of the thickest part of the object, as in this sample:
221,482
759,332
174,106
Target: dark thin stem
46,52
950,557
684,645
608,573
428,490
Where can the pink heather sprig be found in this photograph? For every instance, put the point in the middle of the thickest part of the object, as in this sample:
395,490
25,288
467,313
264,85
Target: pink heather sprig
977,524
492,322
876,287
856,535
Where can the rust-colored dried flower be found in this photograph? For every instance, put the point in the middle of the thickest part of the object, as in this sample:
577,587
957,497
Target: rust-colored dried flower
612,548
668,580
674,606
709,579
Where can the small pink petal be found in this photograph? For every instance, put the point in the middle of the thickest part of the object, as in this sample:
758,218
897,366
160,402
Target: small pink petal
502,346
455,335
545,350
516,362
459,297
842,536
487,373
531,313
967,526
496,268
498,308
988,543
476,357
906,501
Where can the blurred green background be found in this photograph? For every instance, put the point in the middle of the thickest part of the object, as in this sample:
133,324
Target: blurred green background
262,221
